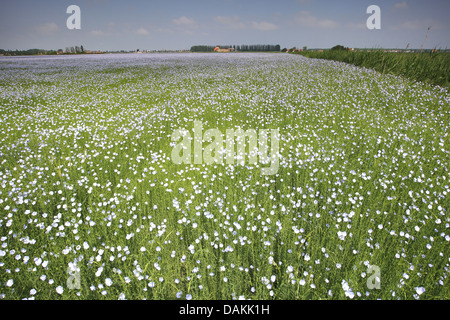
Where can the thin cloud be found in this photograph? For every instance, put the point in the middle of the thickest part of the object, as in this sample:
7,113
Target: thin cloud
264,26
401,5
184,21
417,25
47,29
358,26
164,30
307,19
142,31
233,23
97,33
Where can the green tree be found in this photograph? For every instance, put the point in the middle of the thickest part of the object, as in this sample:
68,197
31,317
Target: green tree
339,47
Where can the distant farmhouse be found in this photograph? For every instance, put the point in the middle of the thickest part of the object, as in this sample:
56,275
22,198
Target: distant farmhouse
217,49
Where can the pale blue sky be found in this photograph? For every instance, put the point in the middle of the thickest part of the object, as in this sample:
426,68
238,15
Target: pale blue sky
179,24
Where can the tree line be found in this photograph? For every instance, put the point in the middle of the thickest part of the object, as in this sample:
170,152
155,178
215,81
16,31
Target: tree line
29,52
244,47
33,52
76,49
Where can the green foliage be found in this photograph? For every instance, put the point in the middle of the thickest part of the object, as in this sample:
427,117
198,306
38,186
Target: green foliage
28,52
202,48
33,52
339,48
430,67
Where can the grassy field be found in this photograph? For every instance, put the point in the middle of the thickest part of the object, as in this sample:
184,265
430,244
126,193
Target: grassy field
93,207
431,67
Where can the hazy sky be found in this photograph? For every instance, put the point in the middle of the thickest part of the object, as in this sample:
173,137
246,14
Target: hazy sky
179,24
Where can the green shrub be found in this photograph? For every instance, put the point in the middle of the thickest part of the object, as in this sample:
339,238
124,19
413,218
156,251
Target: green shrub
430,67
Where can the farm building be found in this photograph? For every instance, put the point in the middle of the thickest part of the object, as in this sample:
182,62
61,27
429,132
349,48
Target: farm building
217,49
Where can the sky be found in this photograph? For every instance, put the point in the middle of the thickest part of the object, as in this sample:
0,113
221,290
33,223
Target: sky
110,25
